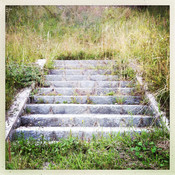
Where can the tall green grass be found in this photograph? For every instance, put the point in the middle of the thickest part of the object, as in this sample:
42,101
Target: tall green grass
148,150
92,32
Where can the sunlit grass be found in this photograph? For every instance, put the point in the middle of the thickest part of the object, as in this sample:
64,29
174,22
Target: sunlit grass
148,150
94,33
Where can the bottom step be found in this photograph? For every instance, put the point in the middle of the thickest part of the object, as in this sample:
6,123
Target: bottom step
56,133
86,120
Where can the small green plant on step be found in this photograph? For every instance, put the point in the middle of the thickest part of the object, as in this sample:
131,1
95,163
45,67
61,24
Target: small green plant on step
120,100
40,101
46,71
110,93
144,101
89,101
34,92
139,90
75,93
132,83
74,101
128,74
131,121
49,64
65,102
130,113
28,111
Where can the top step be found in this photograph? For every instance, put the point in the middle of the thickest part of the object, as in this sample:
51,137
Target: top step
83,61
78,64
80,72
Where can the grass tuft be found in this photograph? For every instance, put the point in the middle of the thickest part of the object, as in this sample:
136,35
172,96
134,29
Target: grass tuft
148,150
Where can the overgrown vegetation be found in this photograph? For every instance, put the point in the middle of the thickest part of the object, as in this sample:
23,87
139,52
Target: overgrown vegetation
20,76
123,34
92,32
145,151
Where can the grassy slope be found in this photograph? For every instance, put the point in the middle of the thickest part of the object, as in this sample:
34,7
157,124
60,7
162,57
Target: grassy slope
93,33
90,33
145,151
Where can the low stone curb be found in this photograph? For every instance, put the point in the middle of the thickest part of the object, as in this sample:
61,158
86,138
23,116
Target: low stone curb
18,105
16,110
159,115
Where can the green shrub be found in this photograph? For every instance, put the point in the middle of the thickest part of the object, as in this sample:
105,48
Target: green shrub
20,76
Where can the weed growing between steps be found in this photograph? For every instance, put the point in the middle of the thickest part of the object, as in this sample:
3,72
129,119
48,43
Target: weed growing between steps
49,64
141,151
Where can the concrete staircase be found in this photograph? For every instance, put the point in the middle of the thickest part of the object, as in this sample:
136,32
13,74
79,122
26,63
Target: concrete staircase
84,98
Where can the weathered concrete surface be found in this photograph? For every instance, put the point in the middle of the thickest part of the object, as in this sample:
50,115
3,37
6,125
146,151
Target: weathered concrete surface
88,109
90,84
83,63
56,133
86,120
86,100
16,110
84,91
81,77
79,72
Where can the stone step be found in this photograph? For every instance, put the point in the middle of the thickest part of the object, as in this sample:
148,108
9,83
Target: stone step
86,99
90,84
91,64
87,109
86,120
85,66
56,133
85,91
79,72
81,77
83,61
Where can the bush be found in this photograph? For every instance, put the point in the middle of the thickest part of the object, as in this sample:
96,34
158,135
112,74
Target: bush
20,76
